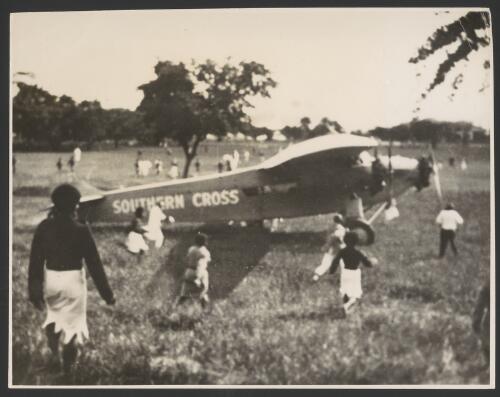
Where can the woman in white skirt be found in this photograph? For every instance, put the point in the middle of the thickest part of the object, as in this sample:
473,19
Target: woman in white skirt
135,239
56,276
350,272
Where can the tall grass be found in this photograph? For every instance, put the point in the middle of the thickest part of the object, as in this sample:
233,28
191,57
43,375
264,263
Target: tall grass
269,324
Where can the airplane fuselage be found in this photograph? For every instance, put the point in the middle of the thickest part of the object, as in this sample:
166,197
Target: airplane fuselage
318,183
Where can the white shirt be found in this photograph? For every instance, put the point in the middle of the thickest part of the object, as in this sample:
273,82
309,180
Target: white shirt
449,219
174,172
156,215
77,154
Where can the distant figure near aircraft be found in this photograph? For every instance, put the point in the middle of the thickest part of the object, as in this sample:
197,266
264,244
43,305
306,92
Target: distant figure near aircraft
228,161
449,220
59,164
136,163
246,156
350,272
158,166
451,161
334,243
71,163
463,165
220,167
197,165
261,157
195,279
135,241
174,170
77,155
144,167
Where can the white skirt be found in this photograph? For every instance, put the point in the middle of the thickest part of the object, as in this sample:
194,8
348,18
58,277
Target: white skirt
135,243
155,235
350,283
65,294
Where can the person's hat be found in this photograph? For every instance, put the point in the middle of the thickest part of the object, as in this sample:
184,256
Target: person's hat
65,197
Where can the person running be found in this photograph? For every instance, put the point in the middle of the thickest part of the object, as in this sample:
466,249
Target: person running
195,279
334,243
481,320
154,232
56,276
449,220
350,272
135,241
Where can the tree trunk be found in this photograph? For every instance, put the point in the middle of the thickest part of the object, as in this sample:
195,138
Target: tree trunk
190,153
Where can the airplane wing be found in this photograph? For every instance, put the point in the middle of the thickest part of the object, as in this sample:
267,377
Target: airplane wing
331,148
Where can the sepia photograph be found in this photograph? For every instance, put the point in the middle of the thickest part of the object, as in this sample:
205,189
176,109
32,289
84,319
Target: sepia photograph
252,197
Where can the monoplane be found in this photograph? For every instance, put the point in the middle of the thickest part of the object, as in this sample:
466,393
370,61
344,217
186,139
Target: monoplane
317,176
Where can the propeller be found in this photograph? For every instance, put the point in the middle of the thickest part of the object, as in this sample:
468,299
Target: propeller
391,171
437,182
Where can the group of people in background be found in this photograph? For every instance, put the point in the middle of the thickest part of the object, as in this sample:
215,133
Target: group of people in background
73,161
144,166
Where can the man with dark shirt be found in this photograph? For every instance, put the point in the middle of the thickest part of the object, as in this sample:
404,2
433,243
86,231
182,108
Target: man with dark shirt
56,276
350,274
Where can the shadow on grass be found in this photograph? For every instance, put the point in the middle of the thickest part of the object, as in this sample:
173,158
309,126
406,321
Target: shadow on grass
235,253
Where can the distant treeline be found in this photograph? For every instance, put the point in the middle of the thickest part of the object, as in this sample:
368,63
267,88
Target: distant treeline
42,121
433,131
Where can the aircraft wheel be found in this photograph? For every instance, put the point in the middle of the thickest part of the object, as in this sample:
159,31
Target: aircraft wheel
366,234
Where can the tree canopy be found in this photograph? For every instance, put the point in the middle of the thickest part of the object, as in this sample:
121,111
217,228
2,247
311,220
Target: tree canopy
469,32
187,104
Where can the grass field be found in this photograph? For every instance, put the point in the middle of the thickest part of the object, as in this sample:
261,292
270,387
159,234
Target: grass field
268,324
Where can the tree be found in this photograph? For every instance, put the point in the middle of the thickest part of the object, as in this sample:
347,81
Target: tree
464,31
124,124
89,122
36,115
185,105
326,126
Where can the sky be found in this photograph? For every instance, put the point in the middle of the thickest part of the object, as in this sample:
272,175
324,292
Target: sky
350,65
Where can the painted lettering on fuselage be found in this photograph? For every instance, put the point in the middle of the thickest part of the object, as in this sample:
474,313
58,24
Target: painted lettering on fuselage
178,201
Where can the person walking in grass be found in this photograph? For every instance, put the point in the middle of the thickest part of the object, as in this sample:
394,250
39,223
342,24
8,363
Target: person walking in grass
334,243
449,220
56,276
481,320
350,259
195,278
